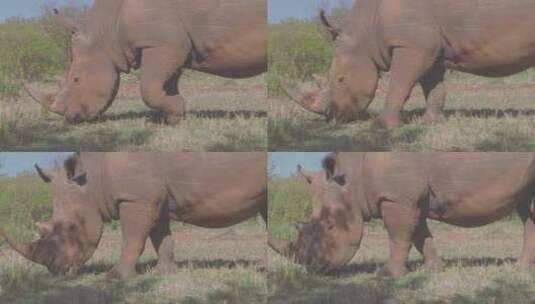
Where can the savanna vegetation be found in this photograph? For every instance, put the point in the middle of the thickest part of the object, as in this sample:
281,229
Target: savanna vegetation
214,266
483,114
223,114
480,262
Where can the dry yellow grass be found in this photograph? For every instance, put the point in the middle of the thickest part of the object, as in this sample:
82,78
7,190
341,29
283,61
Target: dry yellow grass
223,115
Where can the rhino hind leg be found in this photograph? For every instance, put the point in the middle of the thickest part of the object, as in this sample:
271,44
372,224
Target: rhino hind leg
136,224
527,215
160,71
434,90
423,241
401,223
408,66
162,241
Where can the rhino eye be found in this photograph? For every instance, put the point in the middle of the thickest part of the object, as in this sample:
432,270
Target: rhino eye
341,79
76,79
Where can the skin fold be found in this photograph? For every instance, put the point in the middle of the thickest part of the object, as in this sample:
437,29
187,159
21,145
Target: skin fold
145,192
404,190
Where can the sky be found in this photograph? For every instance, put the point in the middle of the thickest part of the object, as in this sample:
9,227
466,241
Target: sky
31,8
284,163
300,9
278,9
13,163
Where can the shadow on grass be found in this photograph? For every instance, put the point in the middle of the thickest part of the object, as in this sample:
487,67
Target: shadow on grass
44,136
288,135
45,289
298,287
371,267
235,291
157,117
144,267
505,289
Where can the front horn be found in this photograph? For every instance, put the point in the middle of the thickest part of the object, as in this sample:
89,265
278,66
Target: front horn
25,249
308,100
282,247
47,101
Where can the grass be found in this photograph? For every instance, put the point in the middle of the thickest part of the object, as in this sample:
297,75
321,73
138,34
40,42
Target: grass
214,265
479,263
223,115
482,115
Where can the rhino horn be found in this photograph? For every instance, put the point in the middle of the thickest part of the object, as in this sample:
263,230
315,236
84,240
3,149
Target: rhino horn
305,174
48,101
335,32
66,22
320,80
47,178
27,250
282,247
308,101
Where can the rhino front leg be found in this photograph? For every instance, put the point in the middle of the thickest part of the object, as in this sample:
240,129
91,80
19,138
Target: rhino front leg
401,222
408,66
527,214
163,243
136,223
160,71
434,90
423,241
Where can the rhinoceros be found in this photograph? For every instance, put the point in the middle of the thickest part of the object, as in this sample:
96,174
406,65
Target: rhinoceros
406,189
417,41
162,37
145,191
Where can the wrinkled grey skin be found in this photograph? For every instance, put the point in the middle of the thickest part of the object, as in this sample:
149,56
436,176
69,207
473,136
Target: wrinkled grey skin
404,190
145,191
162,37
417,41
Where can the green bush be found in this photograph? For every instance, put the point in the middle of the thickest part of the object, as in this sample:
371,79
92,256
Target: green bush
24,200
297,49
33,49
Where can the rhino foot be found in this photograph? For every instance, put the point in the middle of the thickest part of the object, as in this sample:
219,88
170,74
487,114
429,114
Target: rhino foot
388,120
118,274
165,268
173,120
432,118
436,265
394,271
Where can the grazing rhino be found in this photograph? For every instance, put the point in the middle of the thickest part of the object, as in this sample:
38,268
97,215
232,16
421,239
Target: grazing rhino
406,189
145,191
417,40
162,37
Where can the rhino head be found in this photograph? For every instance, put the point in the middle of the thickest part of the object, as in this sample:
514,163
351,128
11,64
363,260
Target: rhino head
349,88
72,236
92,81
333,233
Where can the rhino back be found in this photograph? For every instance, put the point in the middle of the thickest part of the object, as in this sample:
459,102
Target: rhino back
485,37
221,41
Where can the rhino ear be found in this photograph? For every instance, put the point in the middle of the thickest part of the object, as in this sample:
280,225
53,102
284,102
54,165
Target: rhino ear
44,228
68,23
335,32
74,170
329,164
